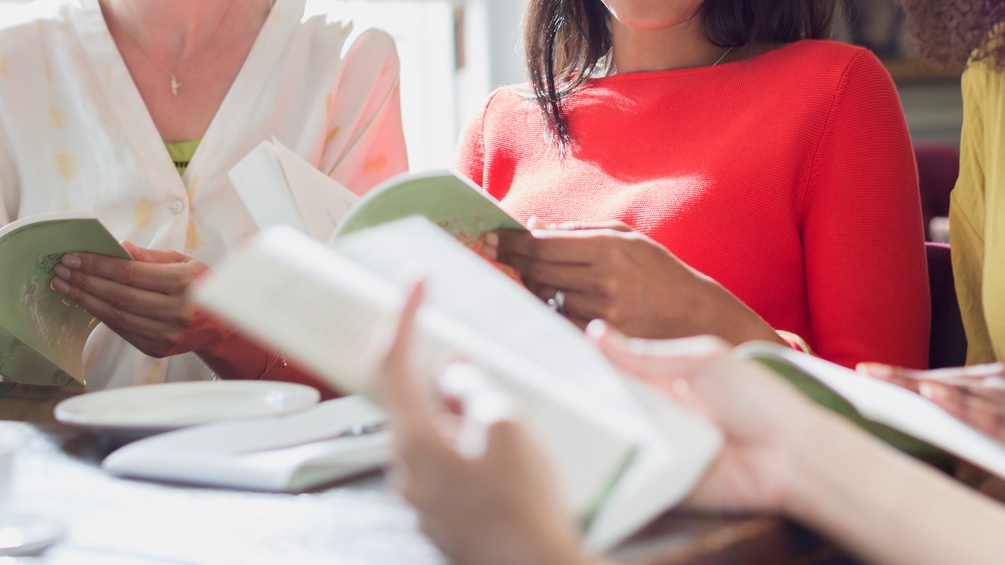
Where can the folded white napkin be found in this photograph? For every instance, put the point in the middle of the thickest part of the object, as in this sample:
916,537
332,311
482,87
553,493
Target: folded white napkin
290,453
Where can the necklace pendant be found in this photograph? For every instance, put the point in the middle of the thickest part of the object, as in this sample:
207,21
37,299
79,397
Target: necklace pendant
175,85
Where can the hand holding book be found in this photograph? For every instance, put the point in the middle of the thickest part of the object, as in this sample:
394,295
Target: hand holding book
974,394
142,299
42,333
506,473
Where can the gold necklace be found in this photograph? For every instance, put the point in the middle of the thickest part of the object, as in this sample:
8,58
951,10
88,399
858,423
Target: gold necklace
719,60
175,84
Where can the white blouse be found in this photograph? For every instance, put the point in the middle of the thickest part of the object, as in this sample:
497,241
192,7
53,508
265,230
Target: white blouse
75,134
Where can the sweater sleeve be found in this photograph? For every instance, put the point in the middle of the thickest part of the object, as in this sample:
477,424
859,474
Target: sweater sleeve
866,271
471,148
966,213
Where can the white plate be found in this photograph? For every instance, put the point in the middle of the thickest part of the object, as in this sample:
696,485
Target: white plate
148,409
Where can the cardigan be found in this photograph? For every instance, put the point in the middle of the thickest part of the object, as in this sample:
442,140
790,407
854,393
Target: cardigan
977,214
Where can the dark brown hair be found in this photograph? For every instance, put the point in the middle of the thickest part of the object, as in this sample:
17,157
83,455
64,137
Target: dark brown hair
569,41
947,33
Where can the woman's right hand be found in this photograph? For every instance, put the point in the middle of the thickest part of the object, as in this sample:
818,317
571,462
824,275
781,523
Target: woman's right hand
615,273
974,394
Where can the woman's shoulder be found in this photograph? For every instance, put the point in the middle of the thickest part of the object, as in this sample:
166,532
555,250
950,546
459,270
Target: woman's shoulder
824,67
339,23
823,56
17,18
506,100
37,27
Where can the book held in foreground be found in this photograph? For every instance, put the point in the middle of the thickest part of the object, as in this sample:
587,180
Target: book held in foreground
42,333
622,453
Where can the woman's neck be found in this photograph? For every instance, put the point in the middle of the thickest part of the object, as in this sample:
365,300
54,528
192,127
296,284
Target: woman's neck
177,29
680,46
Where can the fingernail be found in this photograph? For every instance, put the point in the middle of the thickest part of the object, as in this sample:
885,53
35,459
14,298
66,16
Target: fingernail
933,392
595,328
61,286
71,261
61,272
878,370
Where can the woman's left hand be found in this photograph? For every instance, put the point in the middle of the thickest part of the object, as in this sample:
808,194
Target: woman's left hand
141,300
614,273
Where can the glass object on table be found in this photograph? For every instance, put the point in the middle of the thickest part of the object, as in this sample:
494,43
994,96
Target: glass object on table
20,534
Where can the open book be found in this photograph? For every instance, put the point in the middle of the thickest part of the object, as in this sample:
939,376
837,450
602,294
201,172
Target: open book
280,188
42,333
903,418
623,454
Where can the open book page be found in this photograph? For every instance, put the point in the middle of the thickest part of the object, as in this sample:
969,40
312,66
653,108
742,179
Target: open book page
892,406
322,201
444,198
278,187
663,475
261,184
43,335
675,445
336,318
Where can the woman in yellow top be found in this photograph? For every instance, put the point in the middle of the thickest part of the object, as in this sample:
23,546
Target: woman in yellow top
977,209
955,34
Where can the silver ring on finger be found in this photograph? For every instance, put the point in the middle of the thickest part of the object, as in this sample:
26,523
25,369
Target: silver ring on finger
557,302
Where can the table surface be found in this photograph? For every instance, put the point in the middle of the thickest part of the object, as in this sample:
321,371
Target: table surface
112,520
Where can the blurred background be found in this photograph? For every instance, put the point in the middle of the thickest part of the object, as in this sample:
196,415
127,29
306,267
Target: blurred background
462,49
454,52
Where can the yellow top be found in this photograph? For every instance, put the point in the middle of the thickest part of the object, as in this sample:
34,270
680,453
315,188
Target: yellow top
977,214
181,153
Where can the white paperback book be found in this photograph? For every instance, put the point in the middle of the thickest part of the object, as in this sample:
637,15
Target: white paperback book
622,453
289,453
280,188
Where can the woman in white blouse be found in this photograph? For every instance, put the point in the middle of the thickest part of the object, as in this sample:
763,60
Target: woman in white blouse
101,99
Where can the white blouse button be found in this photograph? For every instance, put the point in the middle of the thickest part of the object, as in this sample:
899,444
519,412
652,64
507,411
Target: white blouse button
177,206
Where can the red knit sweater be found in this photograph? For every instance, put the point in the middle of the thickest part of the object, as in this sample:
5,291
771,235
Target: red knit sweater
789,178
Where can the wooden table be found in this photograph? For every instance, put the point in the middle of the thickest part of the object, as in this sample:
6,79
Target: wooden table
112,520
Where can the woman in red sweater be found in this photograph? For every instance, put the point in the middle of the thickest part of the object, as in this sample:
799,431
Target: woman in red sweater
697,167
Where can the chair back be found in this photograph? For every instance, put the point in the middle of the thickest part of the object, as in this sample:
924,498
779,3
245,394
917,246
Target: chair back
938,167
948,342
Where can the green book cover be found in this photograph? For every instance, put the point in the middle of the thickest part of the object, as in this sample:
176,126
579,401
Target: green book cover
42,333
445,198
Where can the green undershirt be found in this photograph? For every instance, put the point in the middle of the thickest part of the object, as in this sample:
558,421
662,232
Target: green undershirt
181,153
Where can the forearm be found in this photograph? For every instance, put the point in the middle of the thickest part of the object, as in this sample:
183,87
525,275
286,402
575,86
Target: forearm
739,324
236,357
887,508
